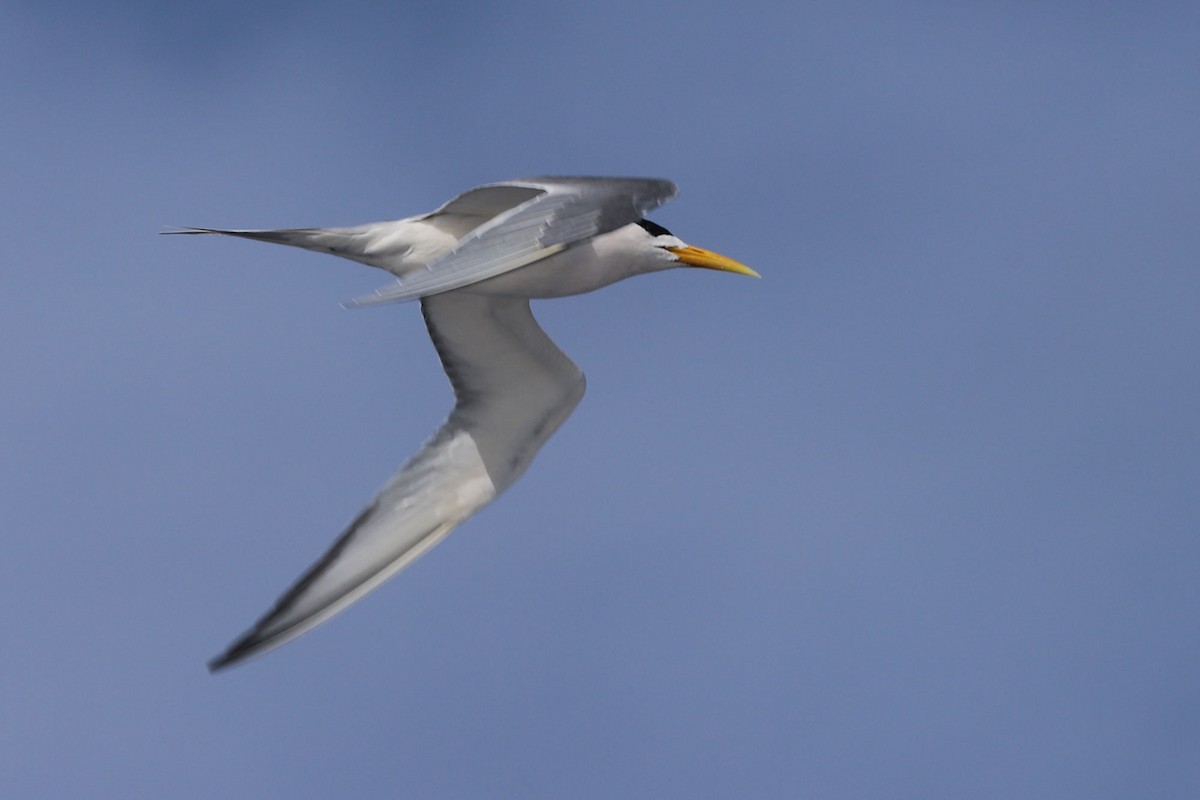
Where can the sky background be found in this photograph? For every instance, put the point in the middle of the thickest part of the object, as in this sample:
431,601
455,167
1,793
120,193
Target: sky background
916,515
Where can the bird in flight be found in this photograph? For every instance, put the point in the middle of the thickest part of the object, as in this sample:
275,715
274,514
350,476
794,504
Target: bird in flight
474,264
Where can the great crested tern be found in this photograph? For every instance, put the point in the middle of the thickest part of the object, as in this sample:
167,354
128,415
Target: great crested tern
474,264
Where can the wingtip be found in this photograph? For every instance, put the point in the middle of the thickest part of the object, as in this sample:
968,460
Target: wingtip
244,648
229,658
218,664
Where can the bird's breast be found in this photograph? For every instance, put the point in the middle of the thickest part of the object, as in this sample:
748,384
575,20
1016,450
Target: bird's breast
581,268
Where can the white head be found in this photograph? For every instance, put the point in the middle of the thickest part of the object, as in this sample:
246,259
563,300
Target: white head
641,247
668,250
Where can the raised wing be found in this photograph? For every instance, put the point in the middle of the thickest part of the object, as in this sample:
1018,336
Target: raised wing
564,211
513,389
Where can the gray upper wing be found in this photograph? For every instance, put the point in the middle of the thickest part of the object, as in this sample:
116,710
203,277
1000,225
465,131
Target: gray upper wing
562,211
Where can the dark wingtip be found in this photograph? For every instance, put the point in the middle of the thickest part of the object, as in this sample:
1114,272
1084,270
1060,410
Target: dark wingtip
236,653
174,231
223,661
217,664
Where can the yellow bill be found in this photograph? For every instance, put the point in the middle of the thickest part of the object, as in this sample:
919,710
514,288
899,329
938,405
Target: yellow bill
699,257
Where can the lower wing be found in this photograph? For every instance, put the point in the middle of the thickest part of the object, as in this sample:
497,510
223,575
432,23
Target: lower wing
513,388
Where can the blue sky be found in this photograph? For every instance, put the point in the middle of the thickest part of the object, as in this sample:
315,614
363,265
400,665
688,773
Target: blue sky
914,516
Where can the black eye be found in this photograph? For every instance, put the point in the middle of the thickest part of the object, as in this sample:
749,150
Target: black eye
653,228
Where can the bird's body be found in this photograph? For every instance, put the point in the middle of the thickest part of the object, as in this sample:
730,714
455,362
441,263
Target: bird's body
475,263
